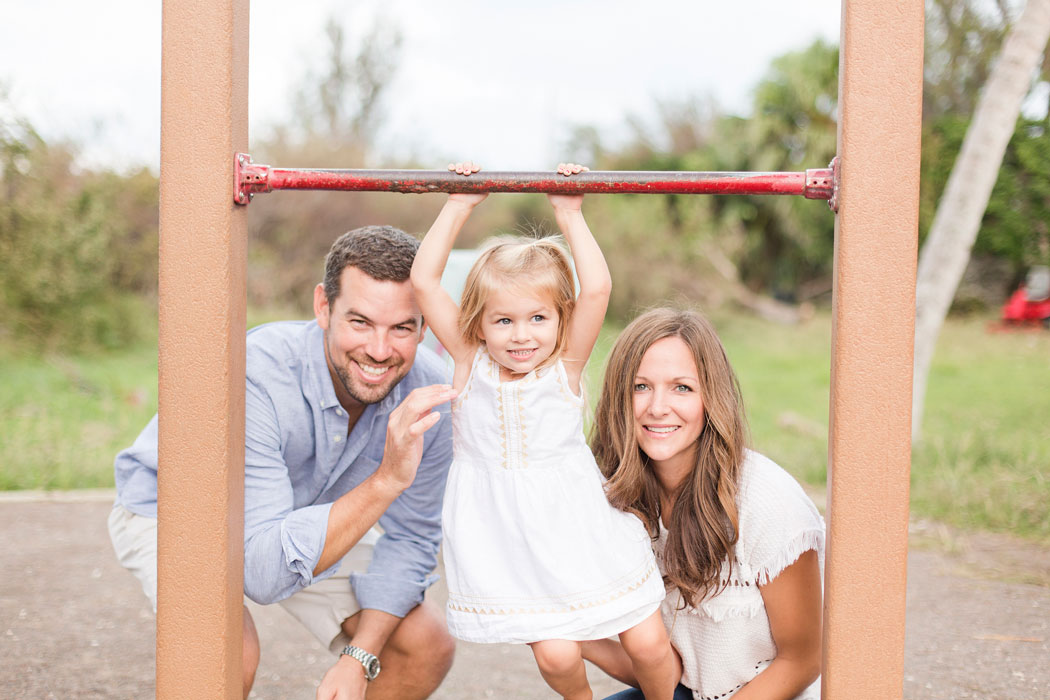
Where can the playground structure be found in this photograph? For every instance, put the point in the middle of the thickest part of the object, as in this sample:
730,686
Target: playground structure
254,178
202,311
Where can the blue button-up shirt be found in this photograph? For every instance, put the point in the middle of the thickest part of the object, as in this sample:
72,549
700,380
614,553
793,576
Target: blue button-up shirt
299,459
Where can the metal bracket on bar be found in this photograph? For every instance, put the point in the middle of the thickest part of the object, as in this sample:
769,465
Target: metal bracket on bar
252,178
823,183
249,178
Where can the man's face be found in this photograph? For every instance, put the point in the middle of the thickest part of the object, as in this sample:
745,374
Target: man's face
371,331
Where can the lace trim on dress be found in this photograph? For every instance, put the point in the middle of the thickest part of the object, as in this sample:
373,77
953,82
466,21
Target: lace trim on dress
458,401
547,607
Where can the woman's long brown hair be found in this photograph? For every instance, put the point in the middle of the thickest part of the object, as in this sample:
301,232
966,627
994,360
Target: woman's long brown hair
702,527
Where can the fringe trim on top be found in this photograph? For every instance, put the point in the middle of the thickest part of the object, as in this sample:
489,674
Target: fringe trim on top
796,547
719,608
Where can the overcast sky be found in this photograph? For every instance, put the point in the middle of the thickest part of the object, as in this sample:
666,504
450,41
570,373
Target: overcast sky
500,82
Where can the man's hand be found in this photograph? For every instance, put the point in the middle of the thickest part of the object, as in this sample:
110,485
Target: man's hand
404,433
344,681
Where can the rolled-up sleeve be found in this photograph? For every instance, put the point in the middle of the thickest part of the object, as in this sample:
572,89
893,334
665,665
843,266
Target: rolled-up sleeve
282,545
406,555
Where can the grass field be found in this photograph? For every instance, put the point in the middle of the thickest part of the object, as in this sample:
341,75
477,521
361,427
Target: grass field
984,462
64,418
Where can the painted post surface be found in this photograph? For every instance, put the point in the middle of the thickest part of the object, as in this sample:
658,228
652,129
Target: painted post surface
204,121
876,234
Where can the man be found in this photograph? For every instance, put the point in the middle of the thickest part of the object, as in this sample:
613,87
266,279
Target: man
338,438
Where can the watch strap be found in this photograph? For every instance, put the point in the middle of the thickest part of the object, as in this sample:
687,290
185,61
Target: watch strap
368,660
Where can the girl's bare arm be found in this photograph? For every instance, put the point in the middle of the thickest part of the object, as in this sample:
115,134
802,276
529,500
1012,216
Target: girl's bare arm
592,273
440,311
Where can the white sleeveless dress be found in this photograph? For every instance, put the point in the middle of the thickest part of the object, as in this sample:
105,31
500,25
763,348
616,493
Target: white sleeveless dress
532,548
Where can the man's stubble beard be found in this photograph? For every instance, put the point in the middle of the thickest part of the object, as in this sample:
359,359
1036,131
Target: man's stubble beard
364,393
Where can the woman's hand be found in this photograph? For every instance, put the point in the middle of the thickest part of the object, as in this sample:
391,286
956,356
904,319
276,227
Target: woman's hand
568,202
467,169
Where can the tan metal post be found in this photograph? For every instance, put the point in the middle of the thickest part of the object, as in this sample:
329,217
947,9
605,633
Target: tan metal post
876,232
204,121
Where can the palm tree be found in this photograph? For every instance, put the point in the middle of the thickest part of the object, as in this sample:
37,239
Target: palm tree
946,252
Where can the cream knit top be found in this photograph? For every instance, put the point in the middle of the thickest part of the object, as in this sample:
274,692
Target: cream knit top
727,641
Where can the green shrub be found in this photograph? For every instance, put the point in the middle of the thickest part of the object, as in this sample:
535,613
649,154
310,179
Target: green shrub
75,247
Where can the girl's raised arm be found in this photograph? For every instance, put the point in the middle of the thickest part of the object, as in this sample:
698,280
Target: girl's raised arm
440,311
592,272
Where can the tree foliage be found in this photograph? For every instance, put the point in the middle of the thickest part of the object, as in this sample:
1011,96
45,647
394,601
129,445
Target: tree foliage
974,174
962,40
336,123
793,128
76,246
1015,225
738,248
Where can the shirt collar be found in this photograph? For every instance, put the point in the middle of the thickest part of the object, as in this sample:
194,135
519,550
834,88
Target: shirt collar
393,399
322,377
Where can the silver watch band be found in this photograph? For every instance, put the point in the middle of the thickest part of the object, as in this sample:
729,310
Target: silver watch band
369,661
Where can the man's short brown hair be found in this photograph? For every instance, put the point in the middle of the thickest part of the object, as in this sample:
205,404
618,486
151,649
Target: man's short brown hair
383,253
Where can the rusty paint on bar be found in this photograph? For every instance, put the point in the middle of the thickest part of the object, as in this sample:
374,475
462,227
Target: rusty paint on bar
423,181
253,178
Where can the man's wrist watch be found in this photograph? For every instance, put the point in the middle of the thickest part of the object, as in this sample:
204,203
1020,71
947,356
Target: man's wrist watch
369,661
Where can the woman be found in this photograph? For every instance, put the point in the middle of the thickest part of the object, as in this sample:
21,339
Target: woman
739,543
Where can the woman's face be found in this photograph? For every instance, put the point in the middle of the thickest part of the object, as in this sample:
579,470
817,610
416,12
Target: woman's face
668,407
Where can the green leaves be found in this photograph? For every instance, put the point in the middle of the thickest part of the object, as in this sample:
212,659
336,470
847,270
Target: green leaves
65,235
1015,225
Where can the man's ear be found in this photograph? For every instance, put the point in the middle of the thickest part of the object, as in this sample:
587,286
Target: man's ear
422,329
322,310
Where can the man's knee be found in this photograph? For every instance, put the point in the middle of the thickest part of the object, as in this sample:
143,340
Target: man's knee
250,652
423,633
134,539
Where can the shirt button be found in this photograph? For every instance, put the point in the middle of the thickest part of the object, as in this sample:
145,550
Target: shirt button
337,438
338,411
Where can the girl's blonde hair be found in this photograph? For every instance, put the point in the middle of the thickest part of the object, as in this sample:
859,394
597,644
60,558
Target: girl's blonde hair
537,266
702,524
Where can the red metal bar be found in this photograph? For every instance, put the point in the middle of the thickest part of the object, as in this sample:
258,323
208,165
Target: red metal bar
255,178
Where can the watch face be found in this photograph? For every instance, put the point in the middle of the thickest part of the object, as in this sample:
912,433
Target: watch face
369,661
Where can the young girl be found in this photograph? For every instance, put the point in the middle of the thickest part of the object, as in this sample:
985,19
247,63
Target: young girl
533,551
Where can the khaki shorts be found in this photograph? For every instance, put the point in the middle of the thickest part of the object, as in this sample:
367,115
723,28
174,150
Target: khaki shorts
321,607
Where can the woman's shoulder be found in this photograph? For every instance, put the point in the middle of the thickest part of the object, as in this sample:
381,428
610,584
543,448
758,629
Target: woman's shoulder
778,521
765,483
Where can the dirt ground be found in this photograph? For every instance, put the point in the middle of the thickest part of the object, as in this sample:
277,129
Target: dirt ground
76,625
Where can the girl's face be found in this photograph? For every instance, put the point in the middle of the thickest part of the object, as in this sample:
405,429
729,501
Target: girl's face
668,407
520,330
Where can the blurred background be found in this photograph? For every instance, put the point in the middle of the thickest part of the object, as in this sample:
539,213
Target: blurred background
672,85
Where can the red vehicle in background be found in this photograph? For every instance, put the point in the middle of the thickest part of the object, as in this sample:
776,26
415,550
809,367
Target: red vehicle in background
1030,304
